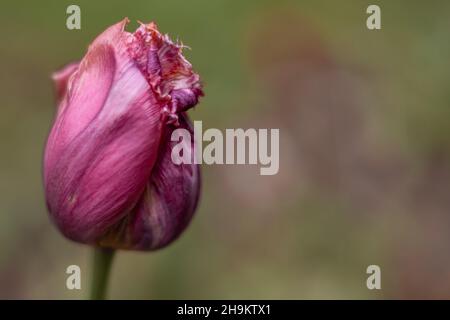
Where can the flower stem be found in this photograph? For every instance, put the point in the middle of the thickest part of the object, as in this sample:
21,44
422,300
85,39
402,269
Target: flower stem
102,261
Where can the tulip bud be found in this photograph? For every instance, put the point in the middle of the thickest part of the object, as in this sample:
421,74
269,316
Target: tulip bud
108,175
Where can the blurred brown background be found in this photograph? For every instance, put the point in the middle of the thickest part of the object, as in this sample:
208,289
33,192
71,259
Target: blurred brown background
364,178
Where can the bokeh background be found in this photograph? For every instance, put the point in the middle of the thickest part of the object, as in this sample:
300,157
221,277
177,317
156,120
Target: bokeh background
364,178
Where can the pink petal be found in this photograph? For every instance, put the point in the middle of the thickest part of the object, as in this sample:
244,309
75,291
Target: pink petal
166,207
61,79
104,142
168,72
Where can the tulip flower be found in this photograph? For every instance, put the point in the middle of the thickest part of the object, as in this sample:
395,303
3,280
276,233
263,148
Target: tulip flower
108,175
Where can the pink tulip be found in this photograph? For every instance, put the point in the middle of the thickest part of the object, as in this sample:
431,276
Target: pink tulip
108,175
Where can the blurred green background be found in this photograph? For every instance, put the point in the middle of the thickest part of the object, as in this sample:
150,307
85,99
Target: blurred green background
364,178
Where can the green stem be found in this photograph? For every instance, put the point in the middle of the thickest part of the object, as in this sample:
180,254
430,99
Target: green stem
102,265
